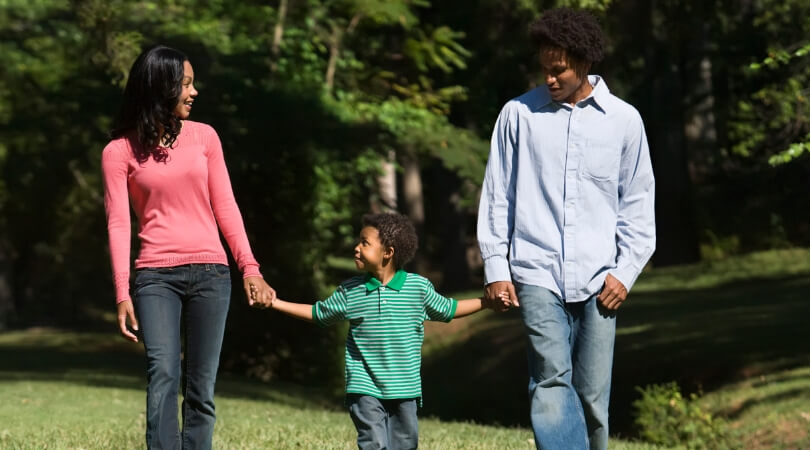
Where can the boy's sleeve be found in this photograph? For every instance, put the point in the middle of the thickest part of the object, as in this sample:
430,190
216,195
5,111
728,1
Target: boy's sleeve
438,307
331,310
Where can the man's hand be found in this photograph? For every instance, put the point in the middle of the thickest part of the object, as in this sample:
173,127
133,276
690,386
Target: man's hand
500,295
125,311
613,293
258,292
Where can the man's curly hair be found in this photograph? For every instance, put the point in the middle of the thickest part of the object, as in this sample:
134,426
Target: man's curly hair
395,231
576,32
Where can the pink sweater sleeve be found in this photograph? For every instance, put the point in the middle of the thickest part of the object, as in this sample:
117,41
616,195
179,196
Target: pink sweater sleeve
226,211
114,168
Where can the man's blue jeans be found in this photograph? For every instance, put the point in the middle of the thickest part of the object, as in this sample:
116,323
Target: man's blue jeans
384,424
200,295
570,362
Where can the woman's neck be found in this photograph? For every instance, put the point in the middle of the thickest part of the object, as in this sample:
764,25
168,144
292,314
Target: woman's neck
163,139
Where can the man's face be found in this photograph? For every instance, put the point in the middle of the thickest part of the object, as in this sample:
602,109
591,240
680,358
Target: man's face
565,83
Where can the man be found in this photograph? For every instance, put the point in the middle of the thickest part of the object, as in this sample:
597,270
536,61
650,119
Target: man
565,225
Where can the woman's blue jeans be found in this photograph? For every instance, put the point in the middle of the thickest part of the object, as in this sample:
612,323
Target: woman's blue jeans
570,362
199,294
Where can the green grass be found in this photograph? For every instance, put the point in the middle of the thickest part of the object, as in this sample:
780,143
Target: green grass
734,329
767,411
70,390
710,326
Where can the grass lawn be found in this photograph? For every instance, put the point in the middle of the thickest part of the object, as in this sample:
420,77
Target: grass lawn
69,390
734,329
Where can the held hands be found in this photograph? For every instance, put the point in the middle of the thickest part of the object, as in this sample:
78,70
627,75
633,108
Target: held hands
500,296
259,293
613,293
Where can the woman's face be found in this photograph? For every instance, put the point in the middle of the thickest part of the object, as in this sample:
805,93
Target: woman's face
183,108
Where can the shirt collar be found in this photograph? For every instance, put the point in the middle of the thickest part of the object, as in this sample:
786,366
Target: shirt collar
598,95
396,283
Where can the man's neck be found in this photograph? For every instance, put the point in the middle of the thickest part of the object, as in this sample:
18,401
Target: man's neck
581,93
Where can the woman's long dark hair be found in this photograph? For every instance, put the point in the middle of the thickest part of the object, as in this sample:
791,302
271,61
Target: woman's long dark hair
147,114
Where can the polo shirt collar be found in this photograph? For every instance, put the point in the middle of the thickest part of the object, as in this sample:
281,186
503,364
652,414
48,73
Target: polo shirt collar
396,283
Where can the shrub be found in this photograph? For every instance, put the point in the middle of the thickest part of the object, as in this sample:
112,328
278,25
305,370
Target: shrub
666,418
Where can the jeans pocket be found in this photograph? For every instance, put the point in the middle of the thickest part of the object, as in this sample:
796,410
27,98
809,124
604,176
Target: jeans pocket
148,275
222,271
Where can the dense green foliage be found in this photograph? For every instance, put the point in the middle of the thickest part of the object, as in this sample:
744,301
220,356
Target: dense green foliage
314,100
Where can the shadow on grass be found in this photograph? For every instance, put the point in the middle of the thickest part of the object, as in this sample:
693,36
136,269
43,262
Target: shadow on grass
700,338
105,360
771,399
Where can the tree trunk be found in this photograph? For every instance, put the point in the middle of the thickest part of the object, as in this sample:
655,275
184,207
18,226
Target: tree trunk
386,198
677,240
278,34
334,54
455,237
7,308
414,202
335,42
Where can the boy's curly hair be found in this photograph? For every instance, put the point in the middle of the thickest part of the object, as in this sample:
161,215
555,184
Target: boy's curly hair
576,32
395,231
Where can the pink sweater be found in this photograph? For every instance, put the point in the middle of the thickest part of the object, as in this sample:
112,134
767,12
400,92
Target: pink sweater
178,203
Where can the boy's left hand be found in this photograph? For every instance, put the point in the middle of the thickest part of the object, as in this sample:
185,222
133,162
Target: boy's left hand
258,292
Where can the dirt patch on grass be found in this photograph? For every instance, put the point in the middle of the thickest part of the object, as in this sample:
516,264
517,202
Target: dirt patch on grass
787,433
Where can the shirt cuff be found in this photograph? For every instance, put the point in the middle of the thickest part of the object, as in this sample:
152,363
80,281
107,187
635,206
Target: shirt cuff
626,275
251,270
496,268
453,308
121,281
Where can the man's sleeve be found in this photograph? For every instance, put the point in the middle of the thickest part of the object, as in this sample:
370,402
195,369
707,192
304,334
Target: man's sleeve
496,210
635,231
332,310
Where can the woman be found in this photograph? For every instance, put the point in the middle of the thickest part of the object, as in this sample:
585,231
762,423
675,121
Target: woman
173,172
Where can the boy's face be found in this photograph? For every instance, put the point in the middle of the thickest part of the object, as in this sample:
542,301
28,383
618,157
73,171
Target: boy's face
369,252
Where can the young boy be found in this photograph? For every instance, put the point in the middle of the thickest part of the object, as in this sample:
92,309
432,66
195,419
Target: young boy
386,309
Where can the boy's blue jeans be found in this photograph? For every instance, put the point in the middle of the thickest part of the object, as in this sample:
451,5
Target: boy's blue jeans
384,424
570,362
200,294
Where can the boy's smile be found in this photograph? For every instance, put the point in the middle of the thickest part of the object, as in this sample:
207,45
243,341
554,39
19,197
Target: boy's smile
372,257
369,252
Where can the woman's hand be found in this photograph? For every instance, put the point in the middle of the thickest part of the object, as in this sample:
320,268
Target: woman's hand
125,311
258,292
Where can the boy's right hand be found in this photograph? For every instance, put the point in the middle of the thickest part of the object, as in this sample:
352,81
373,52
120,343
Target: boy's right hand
259,293
501,295
258,301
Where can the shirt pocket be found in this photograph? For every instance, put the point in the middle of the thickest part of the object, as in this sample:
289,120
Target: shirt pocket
601,161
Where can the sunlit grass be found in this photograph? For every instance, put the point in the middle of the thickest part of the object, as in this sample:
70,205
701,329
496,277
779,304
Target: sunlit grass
62,411
733,329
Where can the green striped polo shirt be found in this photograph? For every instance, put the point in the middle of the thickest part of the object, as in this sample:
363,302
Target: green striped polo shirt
386,330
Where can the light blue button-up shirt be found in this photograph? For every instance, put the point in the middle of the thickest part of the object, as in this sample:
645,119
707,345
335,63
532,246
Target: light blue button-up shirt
568,194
